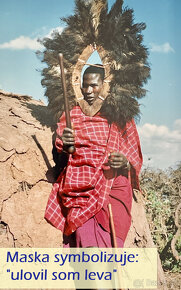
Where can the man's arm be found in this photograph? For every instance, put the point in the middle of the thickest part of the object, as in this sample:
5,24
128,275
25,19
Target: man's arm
117,160
67,137
61,158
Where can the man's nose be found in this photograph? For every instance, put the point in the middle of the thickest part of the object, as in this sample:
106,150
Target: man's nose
89,90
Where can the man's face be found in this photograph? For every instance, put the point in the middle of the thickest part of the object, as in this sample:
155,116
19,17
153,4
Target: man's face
91,87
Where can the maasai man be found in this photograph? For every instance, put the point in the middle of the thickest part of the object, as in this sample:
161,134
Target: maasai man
103,170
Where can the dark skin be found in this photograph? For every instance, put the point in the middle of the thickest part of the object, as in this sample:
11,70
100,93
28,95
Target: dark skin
91,88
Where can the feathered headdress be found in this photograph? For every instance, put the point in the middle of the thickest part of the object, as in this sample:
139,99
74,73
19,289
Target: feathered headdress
119,43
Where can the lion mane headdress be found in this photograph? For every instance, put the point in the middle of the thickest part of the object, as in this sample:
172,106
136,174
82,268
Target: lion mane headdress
118,42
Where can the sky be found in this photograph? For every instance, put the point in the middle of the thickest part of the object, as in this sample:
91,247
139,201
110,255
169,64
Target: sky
22,22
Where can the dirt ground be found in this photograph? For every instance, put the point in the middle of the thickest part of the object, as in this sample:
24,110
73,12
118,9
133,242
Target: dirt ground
173,280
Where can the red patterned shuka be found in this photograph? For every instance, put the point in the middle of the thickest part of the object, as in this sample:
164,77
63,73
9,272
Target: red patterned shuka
83,187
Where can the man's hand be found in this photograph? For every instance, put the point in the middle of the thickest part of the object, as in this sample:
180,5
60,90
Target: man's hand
68,137
117,160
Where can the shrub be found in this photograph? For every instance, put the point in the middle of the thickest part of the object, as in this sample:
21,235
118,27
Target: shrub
162,192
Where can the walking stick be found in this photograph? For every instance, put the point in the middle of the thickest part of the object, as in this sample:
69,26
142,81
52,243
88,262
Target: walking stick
70,149
113,236
113,232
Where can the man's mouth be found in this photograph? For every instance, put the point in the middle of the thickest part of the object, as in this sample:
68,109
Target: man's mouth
89,99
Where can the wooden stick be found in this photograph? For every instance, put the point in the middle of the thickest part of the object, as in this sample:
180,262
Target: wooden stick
67,113
113,236
69,149
113,232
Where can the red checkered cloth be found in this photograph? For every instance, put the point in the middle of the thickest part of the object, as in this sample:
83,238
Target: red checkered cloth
83,187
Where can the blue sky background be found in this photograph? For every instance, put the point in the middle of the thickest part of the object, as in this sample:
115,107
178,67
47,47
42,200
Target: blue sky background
23,21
